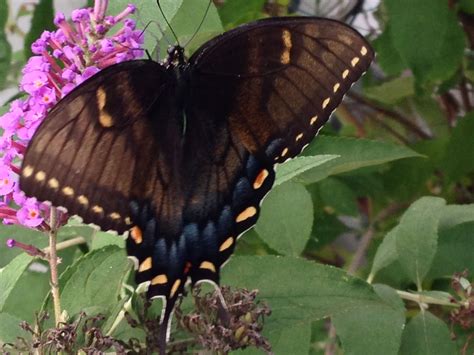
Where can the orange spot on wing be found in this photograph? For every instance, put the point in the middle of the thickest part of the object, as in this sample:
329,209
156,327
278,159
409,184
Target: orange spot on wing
136,234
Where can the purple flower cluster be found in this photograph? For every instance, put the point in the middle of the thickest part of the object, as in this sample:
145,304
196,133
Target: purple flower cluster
62,60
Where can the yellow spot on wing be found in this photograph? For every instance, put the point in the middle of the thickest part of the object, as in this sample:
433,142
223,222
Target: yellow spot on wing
208,266
128,221
354,61
313,120
104,118
336,87
28,171
159,280
298,137
83,200
363,50
227,244
284,152
246,214
97,209
136,234
68,191
345,73
260,179
53,183
285,55
145,265
40,176
326,102
114,215
175,287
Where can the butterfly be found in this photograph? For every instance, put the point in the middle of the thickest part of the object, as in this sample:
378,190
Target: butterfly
180,154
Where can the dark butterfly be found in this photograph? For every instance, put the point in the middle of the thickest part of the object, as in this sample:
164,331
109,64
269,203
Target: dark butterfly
181,154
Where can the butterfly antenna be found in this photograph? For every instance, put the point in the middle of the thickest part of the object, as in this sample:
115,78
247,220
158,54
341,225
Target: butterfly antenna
167,22
200,25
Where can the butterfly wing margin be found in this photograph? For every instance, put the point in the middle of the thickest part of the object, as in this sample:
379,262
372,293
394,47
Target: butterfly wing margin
70,159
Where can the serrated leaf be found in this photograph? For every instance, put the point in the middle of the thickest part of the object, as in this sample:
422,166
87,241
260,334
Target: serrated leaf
286,218
94,281
393,91
458,158
10,274
386,253
299,292
295,167
417,237
433,44
354,154
454,252
425,334
353,327
103,239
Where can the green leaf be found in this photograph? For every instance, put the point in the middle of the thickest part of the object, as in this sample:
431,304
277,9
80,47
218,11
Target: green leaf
460,150
417,237
94,281
354,154
466,6
433,44
10,328
236,12
338,197
10,275
425,334
103,239
299,292
454,252
295,167
5,58
21,234
393,91
378,321
386,253
286,218
4,9
42,20
148,12
455,214
187,20
23,303
387,55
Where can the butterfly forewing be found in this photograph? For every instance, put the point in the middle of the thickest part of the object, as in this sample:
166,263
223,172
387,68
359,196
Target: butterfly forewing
279,79
98,147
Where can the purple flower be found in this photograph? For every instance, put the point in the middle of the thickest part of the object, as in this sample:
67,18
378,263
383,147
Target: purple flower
29,214
63,59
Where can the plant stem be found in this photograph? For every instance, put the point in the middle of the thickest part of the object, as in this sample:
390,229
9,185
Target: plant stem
425,299
67,244
53,266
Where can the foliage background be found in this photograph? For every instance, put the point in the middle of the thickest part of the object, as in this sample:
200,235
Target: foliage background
366,229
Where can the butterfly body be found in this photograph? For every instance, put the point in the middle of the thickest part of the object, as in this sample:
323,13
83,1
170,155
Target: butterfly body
181,154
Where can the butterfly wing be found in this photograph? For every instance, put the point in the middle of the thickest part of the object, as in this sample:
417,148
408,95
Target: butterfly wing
112,140
258,95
